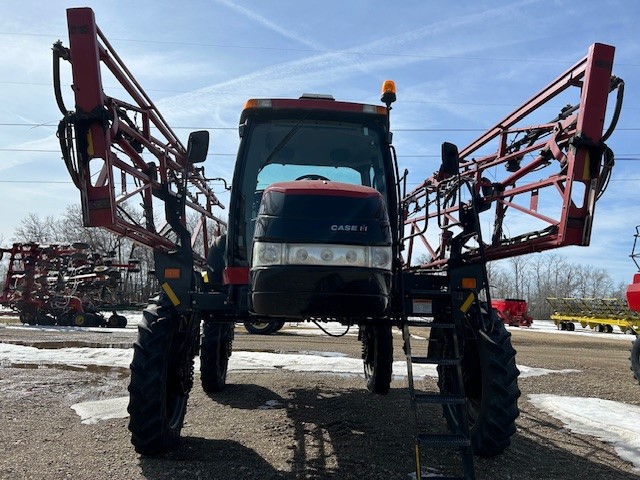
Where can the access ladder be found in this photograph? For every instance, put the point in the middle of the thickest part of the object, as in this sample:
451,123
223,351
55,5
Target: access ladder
430,306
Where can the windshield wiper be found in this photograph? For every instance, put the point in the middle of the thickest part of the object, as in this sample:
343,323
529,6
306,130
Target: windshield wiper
285,139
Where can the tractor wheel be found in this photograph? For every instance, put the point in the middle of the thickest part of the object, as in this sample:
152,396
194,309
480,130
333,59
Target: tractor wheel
263,328
215,350
28,318
117,321
490,378
161,379
377,355
80,320
635,358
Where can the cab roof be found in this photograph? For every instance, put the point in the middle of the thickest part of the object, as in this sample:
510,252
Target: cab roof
309,102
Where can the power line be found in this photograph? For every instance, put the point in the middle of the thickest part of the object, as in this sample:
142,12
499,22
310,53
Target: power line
407,130
252,94
318,51
69,182
621,156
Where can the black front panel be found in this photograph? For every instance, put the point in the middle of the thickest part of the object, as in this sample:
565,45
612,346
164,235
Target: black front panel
322,219
320,291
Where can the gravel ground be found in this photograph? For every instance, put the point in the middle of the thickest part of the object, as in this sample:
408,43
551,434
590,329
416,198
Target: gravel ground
286,425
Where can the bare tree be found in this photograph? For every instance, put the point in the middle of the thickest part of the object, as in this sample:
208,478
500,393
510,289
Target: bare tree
35,229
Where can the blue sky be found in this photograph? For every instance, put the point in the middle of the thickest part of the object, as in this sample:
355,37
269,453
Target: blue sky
459,67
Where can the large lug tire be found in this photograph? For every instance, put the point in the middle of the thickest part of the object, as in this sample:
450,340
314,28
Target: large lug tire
635,358
215,350
377,356
161,379
263,328
490,378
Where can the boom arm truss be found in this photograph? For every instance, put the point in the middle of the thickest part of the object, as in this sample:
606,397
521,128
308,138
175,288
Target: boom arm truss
548,211
107,162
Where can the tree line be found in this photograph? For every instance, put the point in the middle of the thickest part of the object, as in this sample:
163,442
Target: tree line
530,277
537,277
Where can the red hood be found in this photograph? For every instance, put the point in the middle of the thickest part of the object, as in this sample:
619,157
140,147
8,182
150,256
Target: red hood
322,187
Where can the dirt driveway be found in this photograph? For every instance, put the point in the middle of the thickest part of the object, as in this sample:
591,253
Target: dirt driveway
280,424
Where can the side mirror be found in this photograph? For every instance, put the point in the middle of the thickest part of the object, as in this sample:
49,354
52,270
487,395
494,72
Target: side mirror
198,146
450,160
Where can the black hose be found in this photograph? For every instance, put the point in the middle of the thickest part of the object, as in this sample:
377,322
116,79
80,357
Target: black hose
617,83
64,136
59,52
608,161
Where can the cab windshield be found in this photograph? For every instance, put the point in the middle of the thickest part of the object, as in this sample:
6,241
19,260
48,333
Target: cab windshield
294,149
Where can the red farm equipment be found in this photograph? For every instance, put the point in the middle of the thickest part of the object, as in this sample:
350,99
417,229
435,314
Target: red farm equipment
63,285
320,228
633,301
512,311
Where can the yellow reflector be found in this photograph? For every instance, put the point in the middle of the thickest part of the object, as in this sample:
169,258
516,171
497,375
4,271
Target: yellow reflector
467,303
389,86
171,294
469,283
172,273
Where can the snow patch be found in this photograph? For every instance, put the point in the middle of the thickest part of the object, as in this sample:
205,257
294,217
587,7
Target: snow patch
611,422
95,411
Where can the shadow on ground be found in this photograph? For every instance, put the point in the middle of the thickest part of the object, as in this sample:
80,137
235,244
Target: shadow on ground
334,433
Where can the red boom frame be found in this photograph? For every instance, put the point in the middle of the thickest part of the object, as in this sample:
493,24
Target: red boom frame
110,136
571,146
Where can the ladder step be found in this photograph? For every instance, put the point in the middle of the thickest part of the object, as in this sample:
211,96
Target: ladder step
436,361
443,440
439,398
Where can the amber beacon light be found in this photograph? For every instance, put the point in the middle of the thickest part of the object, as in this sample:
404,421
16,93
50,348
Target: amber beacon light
388,92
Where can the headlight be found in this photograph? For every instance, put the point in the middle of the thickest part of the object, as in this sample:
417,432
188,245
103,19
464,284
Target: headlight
380,257
269,253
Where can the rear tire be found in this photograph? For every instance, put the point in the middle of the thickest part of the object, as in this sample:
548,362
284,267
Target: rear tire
635,358
490,378
377,355
263,328
161,379
117,321
215,350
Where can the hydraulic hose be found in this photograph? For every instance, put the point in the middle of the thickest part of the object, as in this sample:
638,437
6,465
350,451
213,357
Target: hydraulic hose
59,52
618,84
